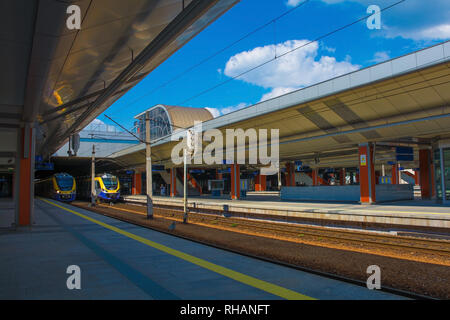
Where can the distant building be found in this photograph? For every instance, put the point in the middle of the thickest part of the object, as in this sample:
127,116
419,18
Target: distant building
166,119
107,140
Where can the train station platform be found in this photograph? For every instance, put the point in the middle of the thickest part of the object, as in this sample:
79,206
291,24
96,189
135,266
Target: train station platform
6,213
405,215
119,260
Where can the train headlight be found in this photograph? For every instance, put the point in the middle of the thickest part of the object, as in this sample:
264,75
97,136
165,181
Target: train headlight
57,191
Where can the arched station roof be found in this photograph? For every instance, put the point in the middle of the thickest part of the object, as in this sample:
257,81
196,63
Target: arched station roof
167,119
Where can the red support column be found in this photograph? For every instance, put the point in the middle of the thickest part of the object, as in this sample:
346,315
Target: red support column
342,177
367,173
194,183
425,173
433,183
137,184
260,183
315,177
416,177
25,177
290,174
219,176
235,182
173,182
394,179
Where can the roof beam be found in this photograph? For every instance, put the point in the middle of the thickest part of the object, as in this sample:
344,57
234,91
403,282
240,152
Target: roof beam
175,28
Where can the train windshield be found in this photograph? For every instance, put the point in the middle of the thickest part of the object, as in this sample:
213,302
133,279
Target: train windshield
65,183
110,183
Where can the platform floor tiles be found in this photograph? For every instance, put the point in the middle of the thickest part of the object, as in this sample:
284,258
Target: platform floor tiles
119,260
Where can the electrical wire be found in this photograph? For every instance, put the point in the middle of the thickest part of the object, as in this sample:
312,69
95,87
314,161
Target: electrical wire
287,52
262,64
186,71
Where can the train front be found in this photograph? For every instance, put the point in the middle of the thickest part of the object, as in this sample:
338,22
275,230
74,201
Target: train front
64,187
110,187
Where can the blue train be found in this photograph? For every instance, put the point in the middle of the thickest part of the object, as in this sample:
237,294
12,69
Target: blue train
107,187
60,186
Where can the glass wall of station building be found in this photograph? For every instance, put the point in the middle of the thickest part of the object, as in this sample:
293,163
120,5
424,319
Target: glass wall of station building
441,156
159,125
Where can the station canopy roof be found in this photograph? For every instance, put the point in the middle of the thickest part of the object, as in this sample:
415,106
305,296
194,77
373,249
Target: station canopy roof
60,79
401,102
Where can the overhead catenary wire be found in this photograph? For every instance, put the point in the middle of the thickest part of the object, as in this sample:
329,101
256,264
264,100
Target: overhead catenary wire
139,139
264,63
349,103
353,102
287,52
215,54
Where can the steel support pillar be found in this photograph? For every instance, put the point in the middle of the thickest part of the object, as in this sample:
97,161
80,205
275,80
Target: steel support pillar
426,174
367,173
290,174
342,177
315,177
394,179
173,182
260,183
235,182
137,184
25,176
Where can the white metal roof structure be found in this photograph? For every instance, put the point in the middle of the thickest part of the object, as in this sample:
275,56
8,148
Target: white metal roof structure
405,101
58,80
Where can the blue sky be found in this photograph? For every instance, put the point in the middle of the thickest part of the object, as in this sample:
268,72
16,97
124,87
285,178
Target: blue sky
407,27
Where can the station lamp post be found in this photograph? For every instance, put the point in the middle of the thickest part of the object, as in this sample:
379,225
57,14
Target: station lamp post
148,167
189,149
93,177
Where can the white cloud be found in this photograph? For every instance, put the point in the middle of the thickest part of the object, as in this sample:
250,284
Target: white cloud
214,111
416,19
233,108
293,3
329,49
222,111
299,68
380,56
439,32
275,92
99,125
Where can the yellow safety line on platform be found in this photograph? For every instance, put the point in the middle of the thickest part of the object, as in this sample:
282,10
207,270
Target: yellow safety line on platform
248,280
247,232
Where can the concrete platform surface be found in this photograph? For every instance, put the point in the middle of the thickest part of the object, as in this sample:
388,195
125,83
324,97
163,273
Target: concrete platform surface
420,213
119,260
6,212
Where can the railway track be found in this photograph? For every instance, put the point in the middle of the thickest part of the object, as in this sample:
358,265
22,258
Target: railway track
316,256
299,232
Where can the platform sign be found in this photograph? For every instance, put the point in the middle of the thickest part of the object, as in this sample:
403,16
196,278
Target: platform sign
227,170
363,160
385,180
198,171
244,184
216,185
158,167
44,166
404,153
